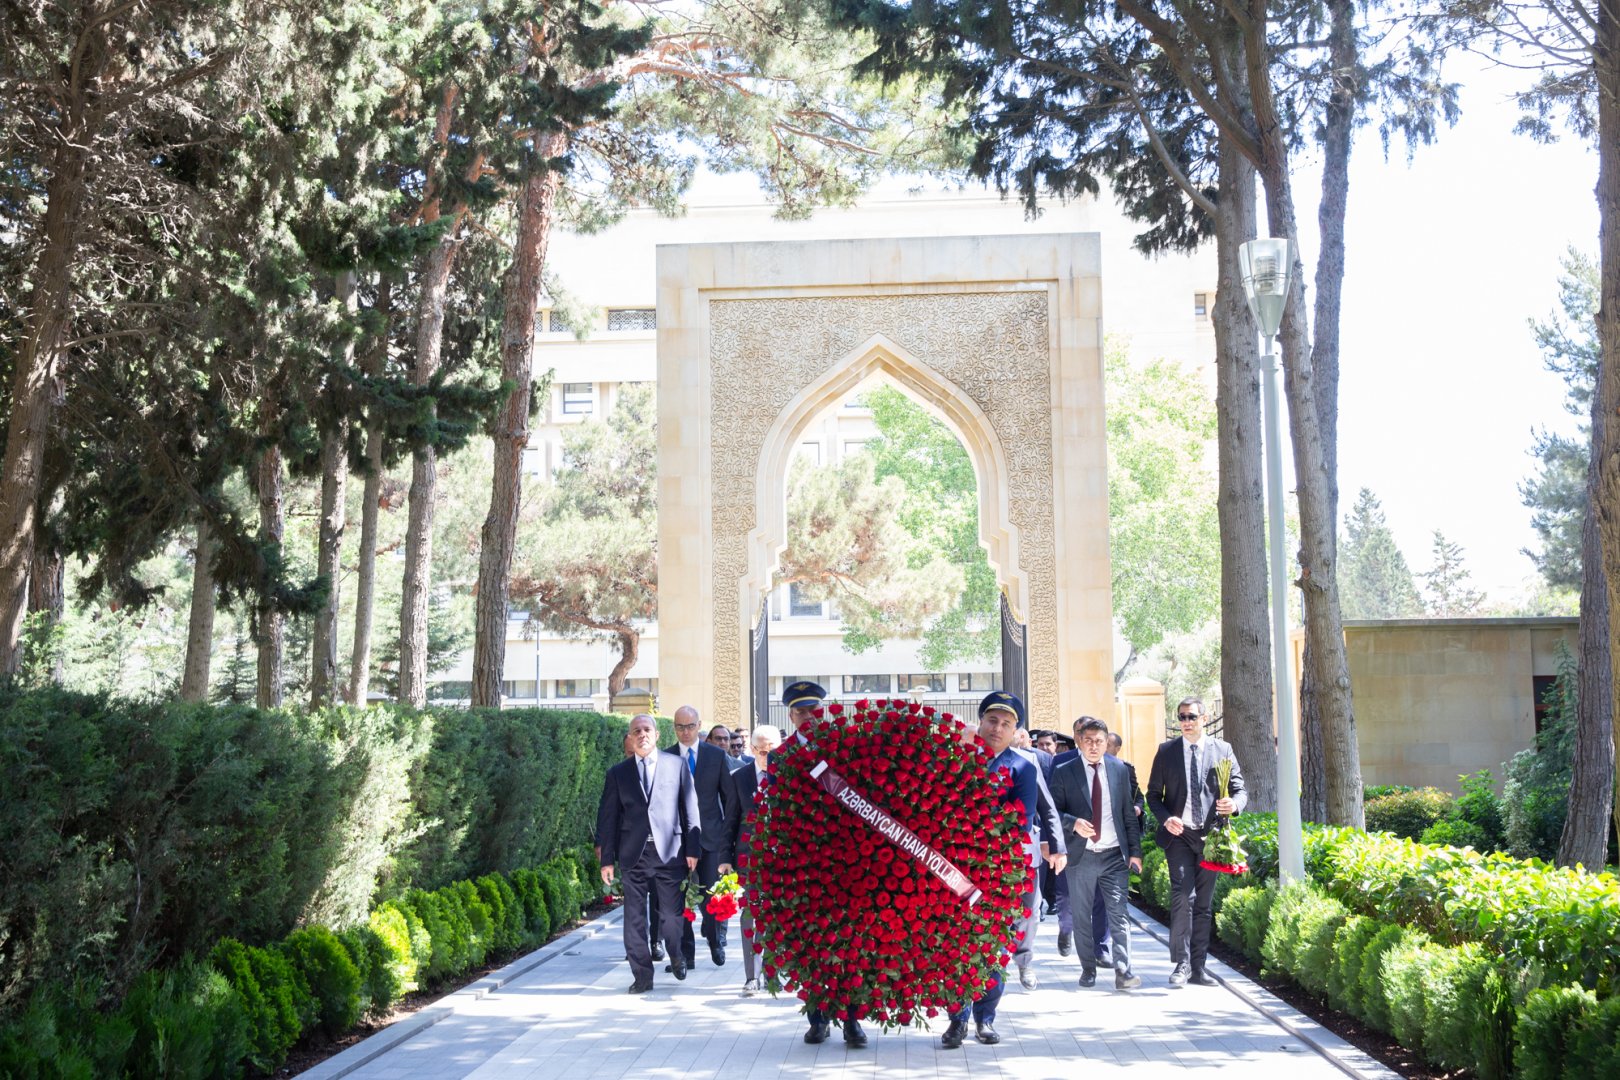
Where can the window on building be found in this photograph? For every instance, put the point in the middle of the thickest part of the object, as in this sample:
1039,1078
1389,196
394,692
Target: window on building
980,682
632,319
648,686
812,451
523,689
1200,304
578,399
920,684
802,606
788,680
557,322
1543,687
578,688
866,684
854,446
534,460
449,691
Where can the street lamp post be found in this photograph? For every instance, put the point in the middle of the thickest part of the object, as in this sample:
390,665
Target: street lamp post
1266,265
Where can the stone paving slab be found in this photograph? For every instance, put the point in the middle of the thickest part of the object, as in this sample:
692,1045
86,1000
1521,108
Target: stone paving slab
562,1013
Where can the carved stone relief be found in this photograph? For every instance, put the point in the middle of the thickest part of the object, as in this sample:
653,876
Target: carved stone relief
993,346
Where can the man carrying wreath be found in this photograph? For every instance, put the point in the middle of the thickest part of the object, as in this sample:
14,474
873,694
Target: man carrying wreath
1001,714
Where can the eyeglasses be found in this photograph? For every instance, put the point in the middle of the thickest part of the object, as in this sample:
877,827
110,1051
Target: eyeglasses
1185,717
686,727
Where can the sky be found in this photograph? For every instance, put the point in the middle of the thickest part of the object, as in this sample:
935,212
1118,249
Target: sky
1442,387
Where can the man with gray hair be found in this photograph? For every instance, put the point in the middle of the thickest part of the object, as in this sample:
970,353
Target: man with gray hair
710,770
740,821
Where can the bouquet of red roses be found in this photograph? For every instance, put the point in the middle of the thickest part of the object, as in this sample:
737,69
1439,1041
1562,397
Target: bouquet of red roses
1223,847
724,897
887,876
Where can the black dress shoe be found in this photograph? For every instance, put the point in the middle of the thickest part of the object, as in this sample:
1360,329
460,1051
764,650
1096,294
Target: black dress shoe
1088,976
818,1033
678,967
1203,978
854,1034
641,986
1124,980
1065,942
1178,976
1105,961
658,950
954,1036
987,1033
717,953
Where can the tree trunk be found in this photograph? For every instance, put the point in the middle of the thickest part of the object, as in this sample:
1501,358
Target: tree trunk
511,430
629,651
34,375
269,628
1585,840
413,633
329,550
1246,686
46,597
365,588
1606,58
1330,216
200,626
1324,627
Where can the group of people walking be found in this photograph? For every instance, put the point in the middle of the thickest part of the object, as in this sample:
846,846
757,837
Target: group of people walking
686,811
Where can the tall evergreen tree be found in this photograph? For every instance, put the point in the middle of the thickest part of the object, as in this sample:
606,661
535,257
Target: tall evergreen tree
1374,578
1446,581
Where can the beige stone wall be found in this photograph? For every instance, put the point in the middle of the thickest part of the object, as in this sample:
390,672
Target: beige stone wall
1000,336
1439,698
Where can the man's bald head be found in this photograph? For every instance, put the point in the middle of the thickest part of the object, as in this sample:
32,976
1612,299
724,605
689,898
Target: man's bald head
687,725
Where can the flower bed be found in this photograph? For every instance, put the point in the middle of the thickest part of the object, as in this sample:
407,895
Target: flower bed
850,880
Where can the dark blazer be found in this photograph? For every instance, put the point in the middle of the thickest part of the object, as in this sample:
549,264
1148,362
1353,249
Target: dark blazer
1044,760
1064,758
1029,788
1167,782
1071,791
740,811
625,818
713,776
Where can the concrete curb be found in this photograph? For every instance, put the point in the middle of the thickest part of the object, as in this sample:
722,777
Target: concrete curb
368,1050
1350,1060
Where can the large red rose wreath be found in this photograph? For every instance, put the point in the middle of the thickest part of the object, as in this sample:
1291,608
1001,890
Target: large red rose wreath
850,911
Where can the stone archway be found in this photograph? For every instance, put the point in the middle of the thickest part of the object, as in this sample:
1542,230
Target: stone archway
999,335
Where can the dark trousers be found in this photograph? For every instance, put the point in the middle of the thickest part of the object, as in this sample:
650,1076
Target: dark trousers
714,930
1105,876
1192,899
1099,917
983,1007
651,876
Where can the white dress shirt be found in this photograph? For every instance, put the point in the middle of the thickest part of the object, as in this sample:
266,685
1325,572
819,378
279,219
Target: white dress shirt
1186,770
1107,837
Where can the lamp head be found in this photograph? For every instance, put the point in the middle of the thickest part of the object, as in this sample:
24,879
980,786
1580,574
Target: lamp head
1266,265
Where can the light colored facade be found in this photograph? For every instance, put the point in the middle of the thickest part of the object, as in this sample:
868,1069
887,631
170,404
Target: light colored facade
1161,306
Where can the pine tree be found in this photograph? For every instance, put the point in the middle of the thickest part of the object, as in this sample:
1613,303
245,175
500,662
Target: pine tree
1446,582
1374,578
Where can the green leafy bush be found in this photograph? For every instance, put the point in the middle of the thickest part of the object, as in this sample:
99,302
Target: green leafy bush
1372,999
536,916
1408,813
1349,945
400,949
377,963
1468,1012
1156,879
1299,935
1242,921
187,1022
320,959
1535,792
1548,1023
1404,988
61,1035
268,1007
1369,792
505,912
480,921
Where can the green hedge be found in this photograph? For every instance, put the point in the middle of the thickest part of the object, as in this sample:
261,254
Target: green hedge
1408,813
1448,1003
141,832
249,1005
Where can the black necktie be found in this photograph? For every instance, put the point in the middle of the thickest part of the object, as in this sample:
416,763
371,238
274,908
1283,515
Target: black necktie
1096,802
646,785
1195,789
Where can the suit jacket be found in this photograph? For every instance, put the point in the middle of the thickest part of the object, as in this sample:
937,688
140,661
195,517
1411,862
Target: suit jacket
1044,760
1167,783
1029,788
712,779
626,818
1064,758
740,811
1071,791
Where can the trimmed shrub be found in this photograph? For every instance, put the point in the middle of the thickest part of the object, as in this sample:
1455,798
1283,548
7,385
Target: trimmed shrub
268,1010
330,976
1408,813
505,912
377,964
1319,923
1349,944
480,921
1243,919
1373,998
1595,1045
1403,984
61,1035
1468,1014
187,1022
1542,1037
393,929
536,916
1156,879
1282,931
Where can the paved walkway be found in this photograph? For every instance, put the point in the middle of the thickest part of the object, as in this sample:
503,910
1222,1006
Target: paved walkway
562,1014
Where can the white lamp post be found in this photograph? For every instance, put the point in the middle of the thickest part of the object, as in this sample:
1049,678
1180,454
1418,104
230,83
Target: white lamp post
1266,265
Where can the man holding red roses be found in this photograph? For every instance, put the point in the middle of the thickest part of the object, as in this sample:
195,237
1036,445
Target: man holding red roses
1001,714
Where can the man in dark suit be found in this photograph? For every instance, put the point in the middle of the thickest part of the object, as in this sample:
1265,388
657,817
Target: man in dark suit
1094,797
740,820
647,824
1000,716
1184,797
710,770
1095,947
802,698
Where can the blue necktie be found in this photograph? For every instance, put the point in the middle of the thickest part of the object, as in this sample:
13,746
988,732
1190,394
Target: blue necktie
691,759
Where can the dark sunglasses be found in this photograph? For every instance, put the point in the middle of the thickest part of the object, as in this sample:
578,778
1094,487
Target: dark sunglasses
1185,716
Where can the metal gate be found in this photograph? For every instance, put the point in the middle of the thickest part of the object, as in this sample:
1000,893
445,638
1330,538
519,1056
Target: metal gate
759,669
1014,654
